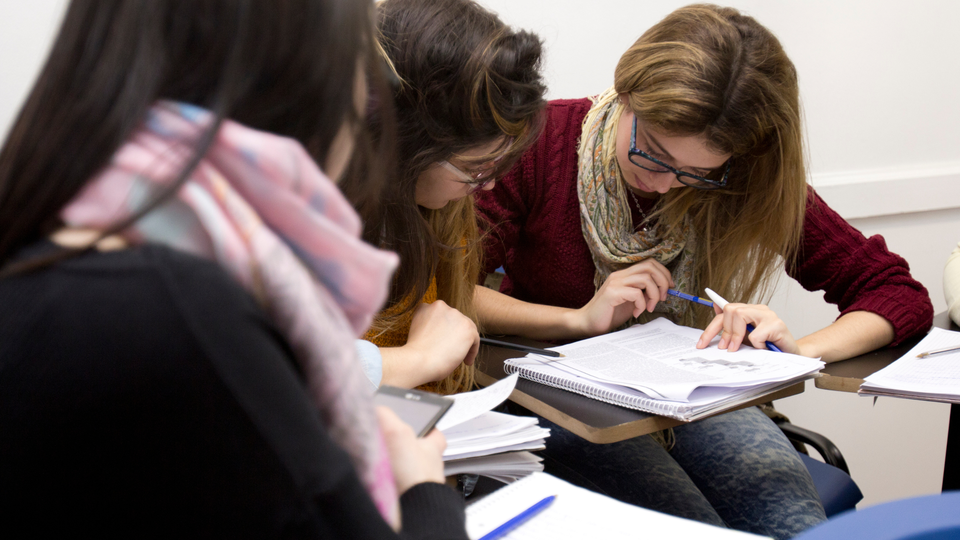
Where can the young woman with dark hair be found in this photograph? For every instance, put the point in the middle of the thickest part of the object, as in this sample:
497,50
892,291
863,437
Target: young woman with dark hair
688,173
468,104
180,283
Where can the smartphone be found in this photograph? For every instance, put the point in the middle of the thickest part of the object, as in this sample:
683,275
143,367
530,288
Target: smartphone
422,410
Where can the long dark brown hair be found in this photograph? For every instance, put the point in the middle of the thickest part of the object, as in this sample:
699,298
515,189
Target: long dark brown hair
465,80
284,66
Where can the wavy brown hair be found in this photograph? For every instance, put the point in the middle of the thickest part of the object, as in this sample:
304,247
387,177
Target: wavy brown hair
465,80
713,72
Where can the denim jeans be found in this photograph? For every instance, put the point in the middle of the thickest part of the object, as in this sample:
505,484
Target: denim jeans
734,470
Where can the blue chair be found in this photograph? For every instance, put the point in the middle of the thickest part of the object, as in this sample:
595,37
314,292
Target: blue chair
838,492
934,517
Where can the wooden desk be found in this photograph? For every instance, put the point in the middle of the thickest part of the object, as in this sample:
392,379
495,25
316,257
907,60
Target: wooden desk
847,375
595,421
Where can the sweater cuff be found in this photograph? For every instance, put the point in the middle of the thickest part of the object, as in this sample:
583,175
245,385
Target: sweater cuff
433,511
371,360
909,318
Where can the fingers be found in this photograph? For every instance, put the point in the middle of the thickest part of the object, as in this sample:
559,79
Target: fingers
731,325
392,426
644,290
654,277
472,353
436,440
711,331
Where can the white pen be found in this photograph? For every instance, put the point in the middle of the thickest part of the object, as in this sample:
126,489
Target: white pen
721,303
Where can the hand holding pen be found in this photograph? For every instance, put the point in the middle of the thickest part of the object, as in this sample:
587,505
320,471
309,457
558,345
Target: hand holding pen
624,294
733,324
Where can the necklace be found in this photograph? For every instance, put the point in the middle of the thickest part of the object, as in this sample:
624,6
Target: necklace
643,224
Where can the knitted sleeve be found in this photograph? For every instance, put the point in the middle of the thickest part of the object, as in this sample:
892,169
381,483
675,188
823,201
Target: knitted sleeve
858,273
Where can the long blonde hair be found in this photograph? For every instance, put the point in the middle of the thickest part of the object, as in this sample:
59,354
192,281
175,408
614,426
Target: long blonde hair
710,71
458,271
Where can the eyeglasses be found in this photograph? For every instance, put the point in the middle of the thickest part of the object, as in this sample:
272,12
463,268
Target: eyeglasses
480,179
477,180
646,161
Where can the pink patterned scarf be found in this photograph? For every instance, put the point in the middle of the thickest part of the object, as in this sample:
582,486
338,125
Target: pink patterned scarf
259,206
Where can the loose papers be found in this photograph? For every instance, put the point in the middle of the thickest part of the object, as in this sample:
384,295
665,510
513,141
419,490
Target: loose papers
933,378
480,441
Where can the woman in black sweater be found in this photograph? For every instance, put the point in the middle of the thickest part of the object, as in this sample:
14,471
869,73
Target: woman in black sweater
179,292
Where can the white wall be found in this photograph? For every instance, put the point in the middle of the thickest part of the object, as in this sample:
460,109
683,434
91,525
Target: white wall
877,82
26,33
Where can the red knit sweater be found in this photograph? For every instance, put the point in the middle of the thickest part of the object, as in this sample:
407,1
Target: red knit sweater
536,237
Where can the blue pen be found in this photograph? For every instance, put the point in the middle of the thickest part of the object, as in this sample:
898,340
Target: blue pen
721,303
522,518
690,297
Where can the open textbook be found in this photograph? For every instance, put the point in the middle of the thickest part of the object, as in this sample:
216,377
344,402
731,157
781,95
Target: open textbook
933,378
480,441
656,368
577,513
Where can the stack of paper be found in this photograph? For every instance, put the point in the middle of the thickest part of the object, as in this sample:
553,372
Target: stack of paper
579,513
656,368
932,378
480,441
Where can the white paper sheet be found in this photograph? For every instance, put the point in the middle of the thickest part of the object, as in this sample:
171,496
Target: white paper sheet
577,513
937,375
469,405
660,359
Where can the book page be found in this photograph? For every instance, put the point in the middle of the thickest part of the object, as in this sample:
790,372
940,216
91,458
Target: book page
577,514
660,359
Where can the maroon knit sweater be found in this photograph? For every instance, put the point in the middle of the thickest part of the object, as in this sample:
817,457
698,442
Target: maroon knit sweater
536,237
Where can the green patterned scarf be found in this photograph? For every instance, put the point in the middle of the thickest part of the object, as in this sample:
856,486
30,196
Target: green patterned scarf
605,213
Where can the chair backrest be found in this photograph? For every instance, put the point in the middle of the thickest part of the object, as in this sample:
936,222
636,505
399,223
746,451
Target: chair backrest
838,492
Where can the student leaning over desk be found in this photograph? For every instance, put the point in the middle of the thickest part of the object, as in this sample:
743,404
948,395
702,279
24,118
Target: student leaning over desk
688,173
468,104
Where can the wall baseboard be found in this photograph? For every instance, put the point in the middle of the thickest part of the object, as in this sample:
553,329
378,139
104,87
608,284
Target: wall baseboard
863,194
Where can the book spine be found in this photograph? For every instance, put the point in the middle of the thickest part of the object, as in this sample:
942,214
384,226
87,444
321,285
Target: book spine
606,395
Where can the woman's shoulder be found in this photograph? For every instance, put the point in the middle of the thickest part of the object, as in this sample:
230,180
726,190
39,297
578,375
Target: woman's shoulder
568,110
144,291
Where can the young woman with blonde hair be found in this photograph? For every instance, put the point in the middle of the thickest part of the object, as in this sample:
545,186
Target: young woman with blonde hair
468,104
688,173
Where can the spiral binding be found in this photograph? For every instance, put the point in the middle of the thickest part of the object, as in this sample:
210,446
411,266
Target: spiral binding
584,388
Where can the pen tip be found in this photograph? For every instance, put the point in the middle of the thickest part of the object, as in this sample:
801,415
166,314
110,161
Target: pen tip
563,355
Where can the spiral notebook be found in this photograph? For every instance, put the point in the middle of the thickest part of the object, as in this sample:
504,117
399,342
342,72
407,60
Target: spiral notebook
656,368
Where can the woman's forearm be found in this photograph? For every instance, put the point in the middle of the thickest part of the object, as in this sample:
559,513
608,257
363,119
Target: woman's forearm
851,335
502,314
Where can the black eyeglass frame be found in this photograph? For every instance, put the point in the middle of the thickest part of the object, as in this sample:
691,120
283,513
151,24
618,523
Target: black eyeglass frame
695,181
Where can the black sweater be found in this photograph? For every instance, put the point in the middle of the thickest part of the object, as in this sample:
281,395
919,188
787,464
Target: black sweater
144,393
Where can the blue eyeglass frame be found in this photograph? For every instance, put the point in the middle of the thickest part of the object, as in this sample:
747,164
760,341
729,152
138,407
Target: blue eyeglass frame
693,181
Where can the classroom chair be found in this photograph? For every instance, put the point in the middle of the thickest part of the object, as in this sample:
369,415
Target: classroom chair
838,492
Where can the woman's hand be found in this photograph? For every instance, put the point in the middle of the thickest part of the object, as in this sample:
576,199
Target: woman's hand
413,460
441,338
731,324
626,293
